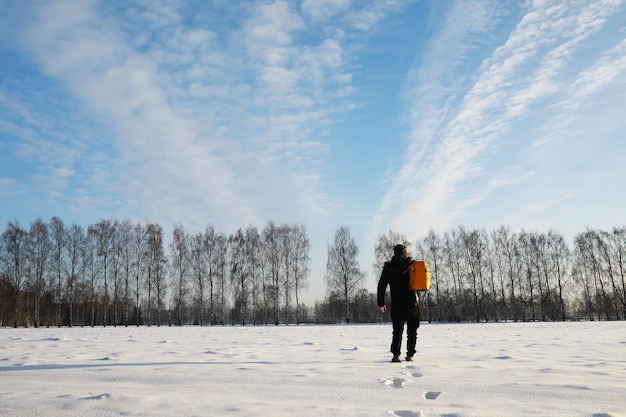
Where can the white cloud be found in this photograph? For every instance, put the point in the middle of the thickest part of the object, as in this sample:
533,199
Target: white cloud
64,172
159,147
600,74
321,10
279,80
268,30
202,124
452,143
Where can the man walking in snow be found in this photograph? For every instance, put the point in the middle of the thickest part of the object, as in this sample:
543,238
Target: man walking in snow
405,306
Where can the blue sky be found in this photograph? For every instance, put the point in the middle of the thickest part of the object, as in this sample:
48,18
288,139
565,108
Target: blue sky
378,115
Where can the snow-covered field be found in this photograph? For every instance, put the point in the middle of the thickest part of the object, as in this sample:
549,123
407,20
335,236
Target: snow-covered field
540,369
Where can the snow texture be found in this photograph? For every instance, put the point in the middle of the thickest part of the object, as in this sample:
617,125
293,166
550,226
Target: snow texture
498,369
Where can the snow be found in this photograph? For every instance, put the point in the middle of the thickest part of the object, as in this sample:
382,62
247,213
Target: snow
497,369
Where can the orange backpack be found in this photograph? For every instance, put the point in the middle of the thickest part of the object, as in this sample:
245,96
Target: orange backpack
419,276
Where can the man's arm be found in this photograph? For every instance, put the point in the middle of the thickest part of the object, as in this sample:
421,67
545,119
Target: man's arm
382,287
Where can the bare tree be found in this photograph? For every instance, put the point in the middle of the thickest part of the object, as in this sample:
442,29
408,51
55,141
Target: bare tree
254,262
39,248
489,265
286,248
125,238
583,273
505,242
221,274
57,232
103,233
239,274
179,255
433,252
526,281
139,263
560,255
472,252
542,272
452,252
301,247
91,266
342,268
273,258
116,269
607,250
12,260
160,286
618,248
211,253
383,249
198,272
155,280
74,265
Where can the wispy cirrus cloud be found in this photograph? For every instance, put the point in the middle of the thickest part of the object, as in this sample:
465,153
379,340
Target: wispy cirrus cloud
458,130
122,88
217,112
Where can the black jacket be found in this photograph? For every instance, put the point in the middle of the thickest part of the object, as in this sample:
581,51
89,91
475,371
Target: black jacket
396,275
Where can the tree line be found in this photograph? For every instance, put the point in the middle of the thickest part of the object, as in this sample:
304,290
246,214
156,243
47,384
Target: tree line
121,273
525,276
503,275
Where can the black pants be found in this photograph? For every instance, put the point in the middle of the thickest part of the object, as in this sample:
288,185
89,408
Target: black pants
411,335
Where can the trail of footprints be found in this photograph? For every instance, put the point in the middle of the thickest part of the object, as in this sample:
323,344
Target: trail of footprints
408,374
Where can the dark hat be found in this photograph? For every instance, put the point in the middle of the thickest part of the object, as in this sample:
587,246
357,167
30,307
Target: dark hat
399,250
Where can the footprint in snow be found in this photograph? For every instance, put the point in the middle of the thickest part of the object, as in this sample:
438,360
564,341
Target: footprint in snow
432,395
99,397
414,374
502,357
395,382
405,413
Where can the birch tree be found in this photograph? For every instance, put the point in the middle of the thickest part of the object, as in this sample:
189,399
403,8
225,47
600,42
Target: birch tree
91,266
300,265
39,248
273,258
198,273
57,234
156,274
103,233
221,274
210,253
561,259
383,249
139,264
452,251
179,255
254,257
75,248
238,275
618,248
504,241
433,252
343,273
12,261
